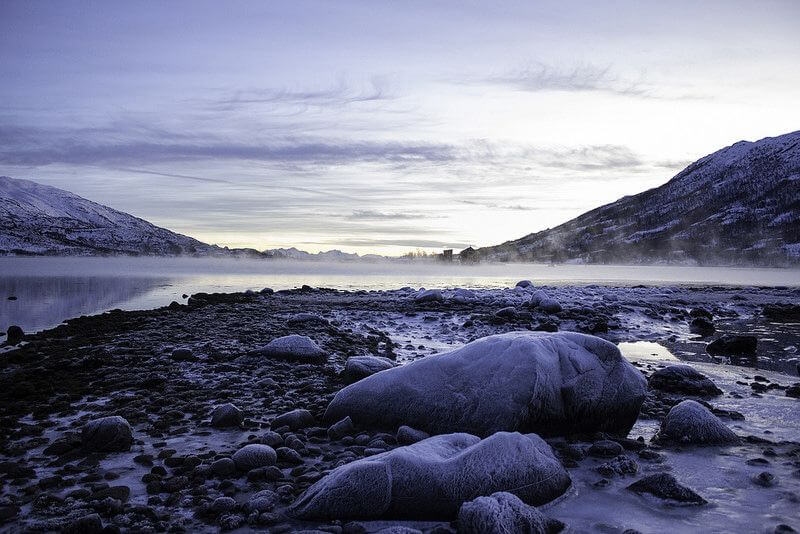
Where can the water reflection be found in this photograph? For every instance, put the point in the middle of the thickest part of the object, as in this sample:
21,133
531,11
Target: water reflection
44,302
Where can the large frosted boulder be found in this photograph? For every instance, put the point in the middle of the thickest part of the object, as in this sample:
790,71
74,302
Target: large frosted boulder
549,383
432,478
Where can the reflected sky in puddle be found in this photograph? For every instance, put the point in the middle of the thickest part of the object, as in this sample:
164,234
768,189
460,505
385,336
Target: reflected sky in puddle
646,350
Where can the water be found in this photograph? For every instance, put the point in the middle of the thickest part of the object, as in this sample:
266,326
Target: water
50,290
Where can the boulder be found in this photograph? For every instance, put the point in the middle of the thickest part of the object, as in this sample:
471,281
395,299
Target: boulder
306,318
107,434
463,295
500,513
407,435
549,305
553,384
14,335
782,312
683,379
295,419
731,344
689,422
295,348
341,429
524,283
665,486
253,456
509,312
358,367
183,354
537,297
702,326
432,478
429,295
226,415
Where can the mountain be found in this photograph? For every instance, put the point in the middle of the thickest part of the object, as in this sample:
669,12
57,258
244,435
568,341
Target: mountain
44,220
737,206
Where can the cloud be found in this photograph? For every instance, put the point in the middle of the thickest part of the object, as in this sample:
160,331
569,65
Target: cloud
583,77
338,95
373,215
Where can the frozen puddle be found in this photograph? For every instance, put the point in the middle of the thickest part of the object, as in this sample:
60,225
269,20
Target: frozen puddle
720,474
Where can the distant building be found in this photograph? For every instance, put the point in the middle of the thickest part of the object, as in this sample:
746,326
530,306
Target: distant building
447,255
468,255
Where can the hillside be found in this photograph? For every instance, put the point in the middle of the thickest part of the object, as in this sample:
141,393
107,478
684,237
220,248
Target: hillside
737,206
44,220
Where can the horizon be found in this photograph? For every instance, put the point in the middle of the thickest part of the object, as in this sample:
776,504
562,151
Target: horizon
376,128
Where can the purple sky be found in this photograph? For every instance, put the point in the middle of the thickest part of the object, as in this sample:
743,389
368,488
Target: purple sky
383,126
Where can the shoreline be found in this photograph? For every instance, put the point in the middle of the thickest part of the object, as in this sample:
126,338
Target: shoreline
125,363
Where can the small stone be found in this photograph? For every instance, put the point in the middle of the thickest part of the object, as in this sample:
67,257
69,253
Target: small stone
226,415
254,455
665,486
294,420
341,428
605,448
223,467
107,434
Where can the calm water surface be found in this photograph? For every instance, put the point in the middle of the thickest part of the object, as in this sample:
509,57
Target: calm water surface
50,290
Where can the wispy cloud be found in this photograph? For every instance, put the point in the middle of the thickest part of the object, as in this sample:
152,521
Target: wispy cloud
582,77
421,243
374,215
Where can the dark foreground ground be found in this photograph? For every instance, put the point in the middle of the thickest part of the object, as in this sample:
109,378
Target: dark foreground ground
122,363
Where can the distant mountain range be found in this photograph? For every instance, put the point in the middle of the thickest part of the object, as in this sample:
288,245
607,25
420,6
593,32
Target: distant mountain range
37,219
739,205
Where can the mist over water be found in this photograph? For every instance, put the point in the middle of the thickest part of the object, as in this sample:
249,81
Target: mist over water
50,290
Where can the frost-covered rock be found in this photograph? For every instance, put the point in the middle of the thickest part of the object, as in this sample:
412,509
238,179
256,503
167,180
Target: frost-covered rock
429,295
306,318
549,305
294,419
525,381
341,428
537,297
692,423
524,283
666,487
294,347
683,378
463,295
226,415
253,456
107,434
407,435
431,479
358,367
500,513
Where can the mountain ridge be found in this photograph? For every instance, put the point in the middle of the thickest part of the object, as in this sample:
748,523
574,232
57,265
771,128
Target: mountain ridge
736,206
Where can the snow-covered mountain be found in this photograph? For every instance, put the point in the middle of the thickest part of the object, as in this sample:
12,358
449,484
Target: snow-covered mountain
739,205
39,219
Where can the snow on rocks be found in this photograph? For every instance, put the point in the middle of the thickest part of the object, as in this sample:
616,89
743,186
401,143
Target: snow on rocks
107,434
253,456
294,347
226,415
432,478
358,367
527,381
689,422
683,378
500,513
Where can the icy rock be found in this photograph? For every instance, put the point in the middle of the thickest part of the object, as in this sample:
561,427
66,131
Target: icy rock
306,318
358,367
295,419
107,434
500,513
730,344
407,435
527,381
223,467
549,306
537,298
429,295
294,347
683,379
605,448
620,466
263,501
664,486
690,422
509,312
524,283
226,415
254,455
14,335
432,478
341,429
463,295
223,505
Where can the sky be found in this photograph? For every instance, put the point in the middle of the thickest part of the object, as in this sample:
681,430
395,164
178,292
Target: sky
383,127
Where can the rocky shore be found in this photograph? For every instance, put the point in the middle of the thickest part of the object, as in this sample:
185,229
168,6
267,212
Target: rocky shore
262,411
